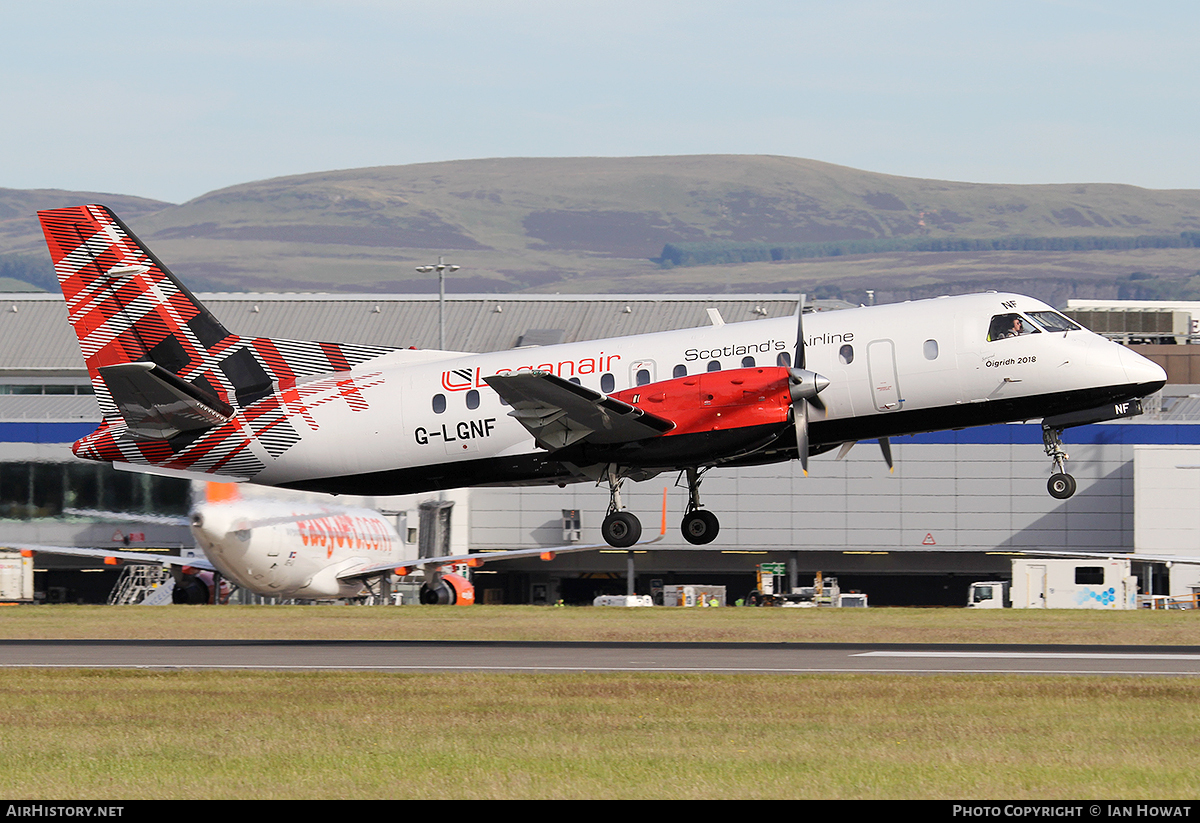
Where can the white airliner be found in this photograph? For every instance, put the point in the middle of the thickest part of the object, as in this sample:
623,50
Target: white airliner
305,550
181,394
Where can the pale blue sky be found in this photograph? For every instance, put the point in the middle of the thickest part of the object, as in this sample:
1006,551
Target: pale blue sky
171,100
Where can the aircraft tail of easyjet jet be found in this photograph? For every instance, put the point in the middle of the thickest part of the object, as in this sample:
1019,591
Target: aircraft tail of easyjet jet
176,388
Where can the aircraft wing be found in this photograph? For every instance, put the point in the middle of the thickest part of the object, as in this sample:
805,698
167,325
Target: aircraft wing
481,558
198,562
129,517
559,413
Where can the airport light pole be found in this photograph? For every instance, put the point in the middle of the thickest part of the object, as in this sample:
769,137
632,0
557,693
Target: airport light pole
441,268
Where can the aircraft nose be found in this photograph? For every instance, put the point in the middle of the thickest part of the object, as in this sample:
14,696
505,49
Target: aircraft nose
1147,375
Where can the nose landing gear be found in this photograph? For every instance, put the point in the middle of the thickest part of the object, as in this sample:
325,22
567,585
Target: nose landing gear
1060,485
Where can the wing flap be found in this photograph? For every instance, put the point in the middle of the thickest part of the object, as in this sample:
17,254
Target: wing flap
559,413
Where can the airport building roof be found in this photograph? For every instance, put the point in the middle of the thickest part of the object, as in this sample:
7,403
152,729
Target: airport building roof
37,346
35,338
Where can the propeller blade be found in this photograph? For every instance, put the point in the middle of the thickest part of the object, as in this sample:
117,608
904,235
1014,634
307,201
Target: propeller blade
885,446
804,387
798,360
845,449
801,417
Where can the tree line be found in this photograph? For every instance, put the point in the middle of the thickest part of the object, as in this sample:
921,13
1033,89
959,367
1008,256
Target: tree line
32,270
715,252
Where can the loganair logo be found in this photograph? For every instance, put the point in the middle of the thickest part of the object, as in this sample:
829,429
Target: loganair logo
464,379
461,379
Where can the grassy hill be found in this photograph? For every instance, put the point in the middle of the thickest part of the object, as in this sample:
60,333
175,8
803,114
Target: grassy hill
600,224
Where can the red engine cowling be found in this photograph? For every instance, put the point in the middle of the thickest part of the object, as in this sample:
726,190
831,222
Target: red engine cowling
711,403
716,401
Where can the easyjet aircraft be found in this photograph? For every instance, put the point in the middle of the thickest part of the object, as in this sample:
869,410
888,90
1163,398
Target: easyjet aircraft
305,550
181,393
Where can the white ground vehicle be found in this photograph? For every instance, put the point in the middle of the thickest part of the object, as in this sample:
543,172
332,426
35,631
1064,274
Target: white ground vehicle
1100,583
988,594
16,577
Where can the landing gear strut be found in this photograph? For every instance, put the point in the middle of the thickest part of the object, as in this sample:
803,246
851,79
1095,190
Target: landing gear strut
1061,485
620,529
699,526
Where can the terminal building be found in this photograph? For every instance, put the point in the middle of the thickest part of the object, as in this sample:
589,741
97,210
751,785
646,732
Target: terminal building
954,511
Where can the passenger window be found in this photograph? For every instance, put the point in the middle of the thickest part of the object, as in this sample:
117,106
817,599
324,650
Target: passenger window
1009,325
679,371
846,354
643,376
607,382
784,359
747,362
575,380
931,349
714,365
472,399
439,403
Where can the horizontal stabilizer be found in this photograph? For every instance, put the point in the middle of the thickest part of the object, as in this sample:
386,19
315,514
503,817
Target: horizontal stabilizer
560,413
158,405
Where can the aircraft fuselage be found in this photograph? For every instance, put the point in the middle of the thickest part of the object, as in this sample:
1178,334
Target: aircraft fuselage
896,369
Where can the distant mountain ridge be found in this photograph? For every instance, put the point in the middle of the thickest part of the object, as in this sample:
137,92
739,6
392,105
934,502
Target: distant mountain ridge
601,224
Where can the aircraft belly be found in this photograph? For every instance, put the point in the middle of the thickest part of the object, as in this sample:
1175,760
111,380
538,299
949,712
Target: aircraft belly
675,451
964,415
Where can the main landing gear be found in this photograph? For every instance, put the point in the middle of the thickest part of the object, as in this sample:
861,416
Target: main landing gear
621,529
699,526
1061,485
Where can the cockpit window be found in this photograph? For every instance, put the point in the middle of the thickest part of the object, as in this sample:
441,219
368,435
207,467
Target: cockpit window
1053,321
1010,325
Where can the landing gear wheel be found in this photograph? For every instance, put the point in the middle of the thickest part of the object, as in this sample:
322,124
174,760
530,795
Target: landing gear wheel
621,530
1061,486
700,527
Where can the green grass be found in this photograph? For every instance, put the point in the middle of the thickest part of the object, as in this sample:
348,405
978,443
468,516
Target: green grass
589,624
124,734
175,735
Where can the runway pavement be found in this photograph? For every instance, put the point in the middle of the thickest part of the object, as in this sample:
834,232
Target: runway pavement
724,658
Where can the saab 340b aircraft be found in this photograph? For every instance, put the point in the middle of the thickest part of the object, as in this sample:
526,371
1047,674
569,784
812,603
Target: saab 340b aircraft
181,394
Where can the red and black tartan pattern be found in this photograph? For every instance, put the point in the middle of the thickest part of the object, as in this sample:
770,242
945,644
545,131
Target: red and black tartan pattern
126,306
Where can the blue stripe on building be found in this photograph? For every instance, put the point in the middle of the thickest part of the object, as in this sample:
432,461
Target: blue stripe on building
1099,434
34,432
1008,434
